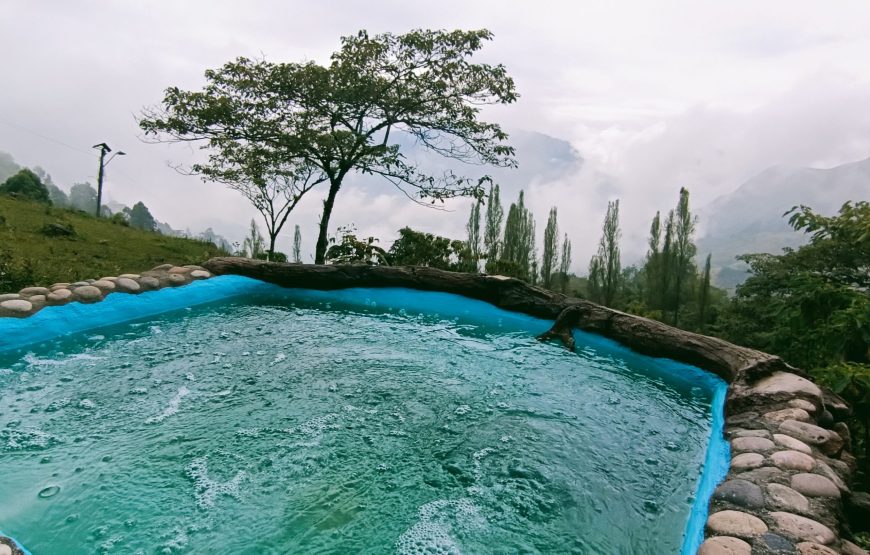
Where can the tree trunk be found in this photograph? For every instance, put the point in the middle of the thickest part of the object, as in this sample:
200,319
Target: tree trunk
272,238
322,241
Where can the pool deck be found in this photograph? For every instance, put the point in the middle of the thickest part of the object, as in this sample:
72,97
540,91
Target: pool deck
790,465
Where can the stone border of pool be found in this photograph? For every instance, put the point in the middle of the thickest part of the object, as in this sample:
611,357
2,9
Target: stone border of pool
784,492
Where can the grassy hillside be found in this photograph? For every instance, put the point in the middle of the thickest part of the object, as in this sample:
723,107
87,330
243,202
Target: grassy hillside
31,254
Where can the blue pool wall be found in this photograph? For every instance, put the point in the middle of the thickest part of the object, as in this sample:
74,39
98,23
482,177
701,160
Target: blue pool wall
57,321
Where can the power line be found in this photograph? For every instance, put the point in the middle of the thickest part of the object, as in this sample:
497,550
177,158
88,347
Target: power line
47,138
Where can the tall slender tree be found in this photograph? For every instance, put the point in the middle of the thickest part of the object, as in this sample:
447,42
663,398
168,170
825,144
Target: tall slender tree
606,264
253,244
666,264
704,296
519,240
297,245
551,250
473,242
492,231
565,264
684,249
653,261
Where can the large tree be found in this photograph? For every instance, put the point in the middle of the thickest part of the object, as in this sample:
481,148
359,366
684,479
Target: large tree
518,247
140,217
345,117
683,249
473,242
82,196
565,263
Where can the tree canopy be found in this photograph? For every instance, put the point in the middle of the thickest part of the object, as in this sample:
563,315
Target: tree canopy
25,185
256,117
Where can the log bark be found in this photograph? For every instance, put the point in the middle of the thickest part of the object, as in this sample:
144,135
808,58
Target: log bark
650,337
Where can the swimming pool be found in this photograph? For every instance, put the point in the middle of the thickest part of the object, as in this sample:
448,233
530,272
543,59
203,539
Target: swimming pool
271,420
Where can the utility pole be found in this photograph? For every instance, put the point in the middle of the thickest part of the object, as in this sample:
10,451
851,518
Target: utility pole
104,149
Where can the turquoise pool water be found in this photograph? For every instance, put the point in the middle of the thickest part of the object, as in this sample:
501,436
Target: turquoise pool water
355,421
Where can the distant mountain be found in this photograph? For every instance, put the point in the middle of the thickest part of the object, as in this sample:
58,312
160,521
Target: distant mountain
750,220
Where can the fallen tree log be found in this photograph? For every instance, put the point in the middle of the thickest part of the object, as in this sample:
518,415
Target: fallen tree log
650,337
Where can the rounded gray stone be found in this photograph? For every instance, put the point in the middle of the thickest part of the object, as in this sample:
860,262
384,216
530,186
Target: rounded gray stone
9,297
802,528
826,471
780,416
17,306
129,276
745,461
736,523
793,460
178,279
724,545
5,549
749,433
58,296
740,492
776,543
87,293
148,282
29,291
754,444
764,475
811,548
792,443
783,497
786,383
808,433
849,548
104,285
163,267
128,284
814,485
200,274
802,404
179,270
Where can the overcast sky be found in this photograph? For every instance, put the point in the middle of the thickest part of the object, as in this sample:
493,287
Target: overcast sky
656,95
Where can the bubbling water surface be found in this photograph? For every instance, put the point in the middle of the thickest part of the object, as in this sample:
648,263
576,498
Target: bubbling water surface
307,422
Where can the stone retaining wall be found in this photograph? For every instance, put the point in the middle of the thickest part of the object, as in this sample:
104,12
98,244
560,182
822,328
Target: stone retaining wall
790,465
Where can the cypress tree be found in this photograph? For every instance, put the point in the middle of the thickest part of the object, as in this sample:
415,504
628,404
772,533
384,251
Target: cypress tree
473,229
666,264
605,268
492,231
653,262
518,246
551,250
565,263
297,245
704,295
684,248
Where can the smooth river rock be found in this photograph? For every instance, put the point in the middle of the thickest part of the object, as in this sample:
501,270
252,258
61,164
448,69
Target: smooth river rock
29,291
814,485
740,492
792,443
793,460
775,543
737,432
780,416
811,548
148,283
58,296
178,279
802,404
783,497
128,284
5,549
129,276
200,274
826,471
87,293
745,461
802,528
751,443
17,306
179,270
849,548
104,285
724,545
808,433
787,384
9,297
736,523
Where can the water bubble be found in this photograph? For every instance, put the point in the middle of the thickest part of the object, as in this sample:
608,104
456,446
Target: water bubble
49,491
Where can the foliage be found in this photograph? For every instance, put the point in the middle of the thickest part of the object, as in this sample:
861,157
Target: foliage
252,246
340,118
415,248
551,250
473,242
605,267
518,246
492,232
565,264
684,249
140,217
25,185
82,196
98,248
348,249
297,245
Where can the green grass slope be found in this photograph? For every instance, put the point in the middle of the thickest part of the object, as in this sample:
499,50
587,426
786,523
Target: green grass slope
28,256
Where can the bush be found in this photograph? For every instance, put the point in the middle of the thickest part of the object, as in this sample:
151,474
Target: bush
57,229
